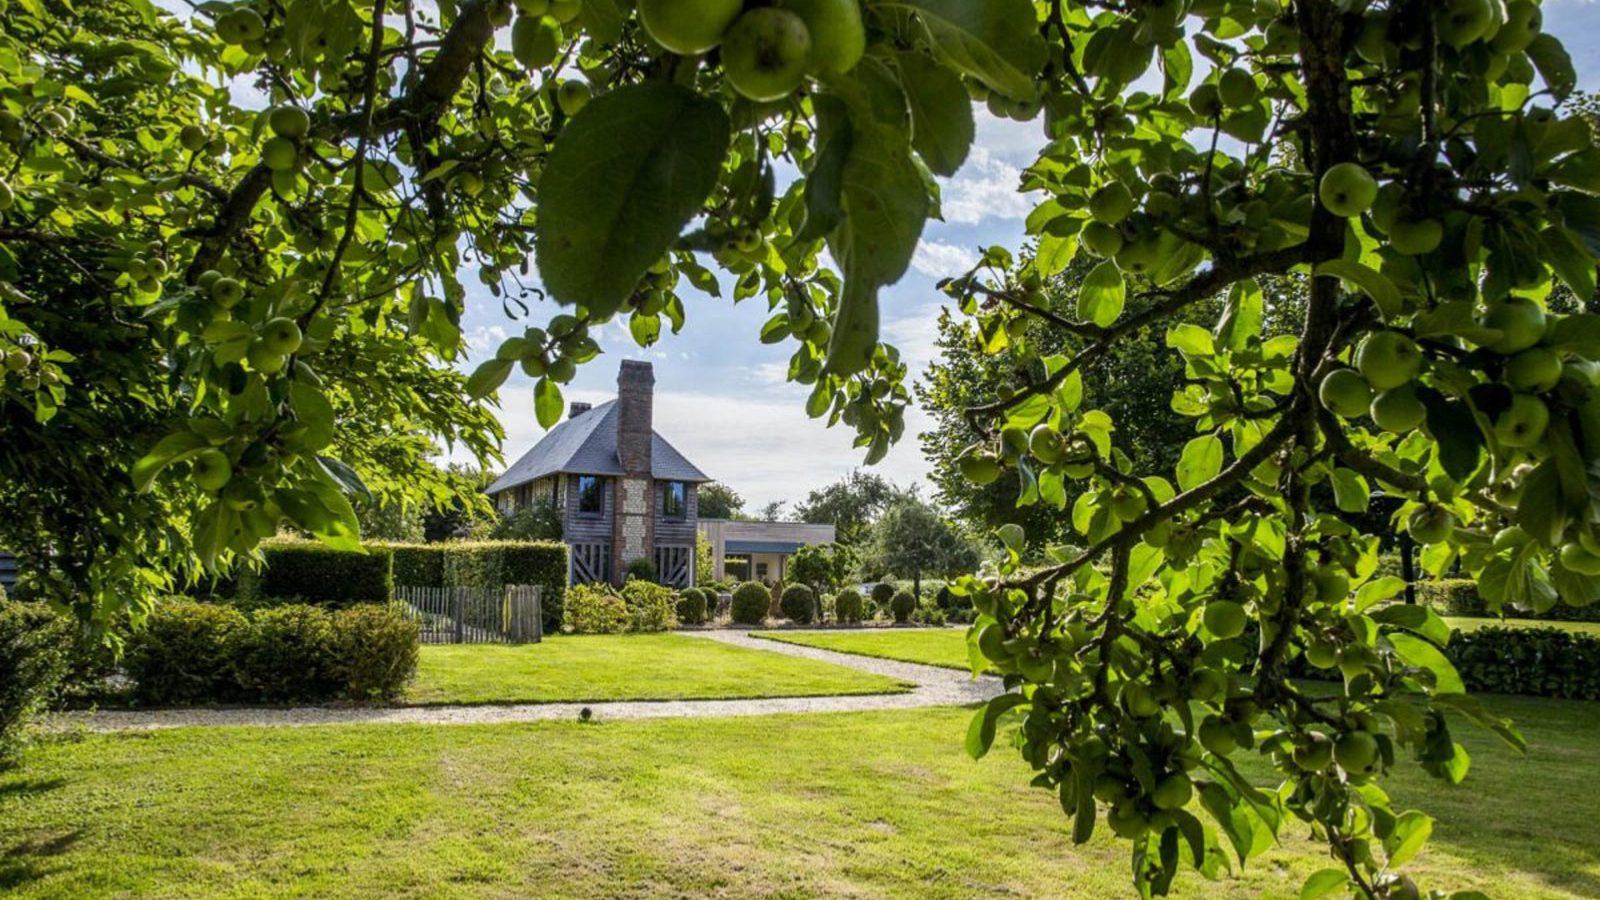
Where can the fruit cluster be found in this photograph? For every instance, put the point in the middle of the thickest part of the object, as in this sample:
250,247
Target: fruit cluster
766,51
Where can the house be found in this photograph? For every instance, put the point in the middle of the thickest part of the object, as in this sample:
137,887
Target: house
758,551
624,493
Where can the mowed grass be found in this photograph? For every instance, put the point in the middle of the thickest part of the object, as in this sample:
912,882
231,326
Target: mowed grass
881,804
574,668
946,647
1474,623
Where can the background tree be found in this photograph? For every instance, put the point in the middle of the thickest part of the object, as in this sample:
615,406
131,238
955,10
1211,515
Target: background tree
911,539
541,520
822,567
772,512
849,504
718,501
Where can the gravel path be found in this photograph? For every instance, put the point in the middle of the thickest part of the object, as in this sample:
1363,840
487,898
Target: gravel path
934,687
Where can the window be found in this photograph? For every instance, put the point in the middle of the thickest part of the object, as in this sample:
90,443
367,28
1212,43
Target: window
674,500
590,499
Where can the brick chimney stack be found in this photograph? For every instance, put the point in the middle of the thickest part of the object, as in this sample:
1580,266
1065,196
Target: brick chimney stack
636,385
577,409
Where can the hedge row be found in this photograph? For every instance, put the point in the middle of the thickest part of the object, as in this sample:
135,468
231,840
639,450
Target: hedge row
1538,662
309,572
1459,597
35,651
193,653
640,606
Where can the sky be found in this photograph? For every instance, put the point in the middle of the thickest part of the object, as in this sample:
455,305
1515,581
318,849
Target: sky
721,397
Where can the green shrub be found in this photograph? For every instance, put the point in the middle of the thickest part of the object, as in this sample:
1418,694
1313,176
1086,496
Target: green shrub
309,572
419,565
928,615
285,655
35,650
594,609
751,601
692,606
847,606
882,593
799,604
375,649
1539,662
641,569
902,605
650,606
181,654
497,563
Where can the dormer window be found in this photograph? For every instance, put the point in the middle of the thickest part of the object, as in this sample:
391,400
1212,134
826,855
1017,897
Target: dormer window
674,499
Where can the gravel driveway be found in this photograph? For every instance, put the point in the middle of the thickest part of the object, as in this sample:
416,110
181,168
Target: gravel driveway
934,687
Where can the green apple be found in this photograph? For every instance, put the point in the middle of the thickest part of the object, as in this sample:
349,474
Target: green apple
280,154
1139,701
980,467
1345,393
7,198
290,121
1356,752
1046,444
1398,410
1322,655
1523,423
1374,45
100,199
1589,540
1388,359
17,359
1217,737
1465,21
535,41
1347,189
1236,88
1315,754
241,25
281,336
241,495
1139,255
688,26
765,53
565,11
1520,321
1522,24
1331,584
1431,524
1127,503
1536,369
1414,237
227,292
1576,558
1111,203
838,39
210,470
192,138
1101,239
1172,792
1205,101
1127,821
1224,618
572,95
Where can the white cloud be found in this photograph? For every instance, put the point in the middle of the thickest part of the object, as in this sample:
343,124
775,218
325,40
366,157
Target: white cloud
985,188
937,259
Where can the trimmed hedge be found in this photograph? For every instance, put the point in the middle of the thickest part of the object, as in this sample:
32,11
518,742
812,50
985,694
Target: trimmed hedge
692,606
419,565
847,606
751,601
882,593
1539,662
594,609
1459,597
181,655
799,604
650,606
902,605
309,572
495,563
35,650
190,653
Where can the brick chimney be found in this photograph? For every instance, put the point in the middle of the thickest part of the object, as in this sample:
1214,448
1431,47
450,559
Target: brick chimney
636,386
577,409
633,525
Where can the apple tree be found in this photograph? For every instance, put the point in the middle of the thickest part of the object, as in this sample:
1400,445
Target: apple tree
228,199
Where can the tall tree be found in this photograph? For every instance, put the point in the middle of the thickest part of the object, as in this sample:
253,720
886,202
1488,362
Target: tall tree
911,539
718,501
849,504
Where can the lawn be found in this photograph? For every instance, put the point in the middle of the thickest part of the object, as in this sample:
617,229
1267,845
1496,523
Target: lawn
945,647
1474,623
574,668
881,804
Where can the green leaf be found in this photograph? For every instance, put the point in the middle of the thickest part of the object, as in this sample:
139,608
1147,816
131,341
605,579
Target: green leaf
1324,882
1460,441
547,402
646,330
996,42
1241,318
170,449
1411,832
1012,535
1191,340
1419,619
630,170
1367,280
1102,294
941,112
776,330
1541,511
1350,491
825,183
1554,65
980,733
345,477
1423,655
1200,462
1569,259
488,377
312,411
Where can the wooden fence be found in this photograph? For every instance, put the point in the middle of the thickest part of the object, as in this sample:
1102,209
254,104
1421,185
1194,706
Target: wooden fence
470,615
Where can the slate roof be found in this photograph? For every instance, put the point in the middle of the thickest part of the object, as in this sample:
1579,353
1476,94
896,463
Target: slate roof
586,444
